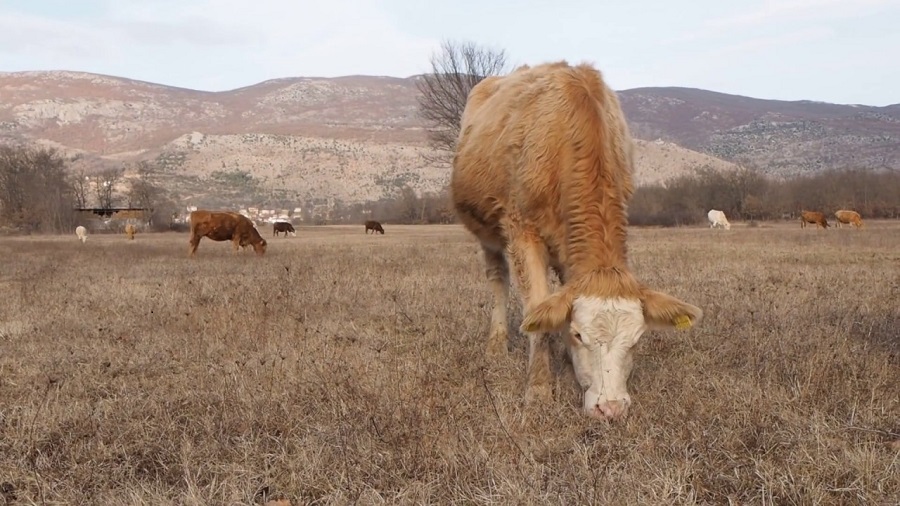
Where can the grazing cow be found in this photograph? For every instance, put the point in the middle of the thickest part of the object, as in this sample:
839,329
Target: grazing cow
717,218
813,217
283,226
224,226
541,177
374,226
845,217
130,230
81,233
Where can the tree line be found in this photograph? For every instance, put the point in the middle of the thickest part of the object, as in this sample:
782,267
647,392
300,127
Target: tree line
747,194
40,193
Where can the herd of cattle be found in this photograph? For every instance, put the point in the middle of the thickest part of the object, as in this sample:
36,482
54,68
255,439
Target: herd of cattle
228,226
235,227
541,176
843,217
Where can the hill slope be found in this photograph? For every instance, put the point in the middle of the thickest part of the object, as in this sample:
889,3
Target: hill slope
358,138
778,137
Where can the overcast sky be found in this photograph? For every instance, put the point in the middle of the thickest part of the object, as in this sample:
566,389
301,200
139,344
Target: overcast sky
843,51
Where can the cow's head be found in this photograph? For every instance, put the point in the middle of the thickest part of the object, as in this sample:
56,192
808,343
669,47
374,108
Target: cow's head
601,328
260,246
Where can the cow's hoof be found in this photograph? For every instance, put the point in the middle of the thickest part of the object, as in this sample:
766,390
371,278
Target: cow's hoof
497,343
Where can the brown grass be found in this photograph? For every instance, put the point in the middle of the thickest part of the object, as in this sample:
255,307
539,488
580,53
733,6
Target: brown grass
344,367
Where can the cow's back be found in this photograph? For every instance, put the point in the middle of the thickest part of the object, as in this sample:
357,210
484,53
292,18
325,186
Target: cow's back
521,132
218,226
845,216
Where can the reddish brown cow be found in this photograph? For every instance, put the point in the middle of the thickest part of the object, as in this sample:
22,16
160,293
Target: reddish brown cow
224,226
283,226
813,217
374,226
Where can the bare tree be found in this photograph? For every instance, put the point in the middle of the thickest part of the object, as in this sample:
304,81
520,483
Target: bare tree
407,205
34,195
105,186
80,185
455,69
143,192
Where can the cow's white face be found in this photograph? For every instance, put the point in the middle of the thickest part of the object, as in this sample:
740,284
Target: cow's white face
602,330
602,333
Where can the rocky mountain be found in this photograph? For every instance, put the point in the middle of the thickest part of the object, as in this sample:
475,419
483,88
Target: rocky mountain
778,137
358,138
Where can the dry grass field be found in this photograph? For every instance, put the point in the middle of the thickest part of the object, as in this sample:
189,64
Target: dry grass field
348,368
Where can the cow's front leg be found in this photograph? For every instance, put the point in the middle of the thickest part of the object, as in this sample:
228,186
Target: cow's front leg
530,260
497,273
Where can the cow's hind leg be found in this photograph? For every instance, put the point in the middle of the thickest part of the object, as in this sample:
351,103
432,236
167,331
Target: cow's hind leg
497,272
530,261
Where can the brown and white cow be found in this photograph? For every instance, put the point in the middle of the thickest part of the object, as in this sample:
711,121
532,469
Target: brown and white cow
541,176
283,226
846,217
813,217
130,230
225,226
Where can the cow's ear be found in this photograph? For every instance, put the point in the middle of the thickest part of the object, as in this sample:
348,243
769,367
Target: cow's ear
662,311
550,315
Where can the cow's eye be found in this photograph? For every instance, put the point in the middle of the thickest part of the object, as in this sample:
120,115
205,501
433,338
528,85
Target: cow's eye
577,335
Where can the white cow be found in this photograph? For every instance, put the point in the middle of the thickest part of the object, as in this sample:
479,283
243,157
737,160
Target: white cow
81,232
717,218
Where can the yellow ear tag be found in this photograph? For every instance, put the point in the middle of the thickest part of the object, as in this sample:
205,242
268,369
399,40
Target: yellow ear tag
683,322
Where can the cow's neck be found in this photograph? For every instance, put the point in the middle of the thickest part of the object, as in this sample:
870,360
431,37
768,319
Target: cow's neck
596,223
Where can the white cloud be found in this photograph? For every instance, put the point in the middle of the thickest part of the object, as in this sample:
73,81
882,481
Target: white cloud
784,10
202,43
776,41
47,38
775,12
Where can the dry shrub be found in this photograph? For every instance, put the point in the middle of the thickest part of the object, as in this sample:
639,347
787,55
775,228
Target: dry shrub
344,367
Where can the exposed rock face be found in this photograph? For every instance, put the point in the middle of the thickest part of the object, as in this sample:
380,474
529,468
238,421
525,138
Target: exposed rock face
358,138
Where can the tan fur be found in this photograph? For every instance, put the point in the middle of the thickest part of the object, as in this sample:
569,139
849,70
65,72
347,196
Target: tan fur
543,172
130,230
225,226
846,217
813,217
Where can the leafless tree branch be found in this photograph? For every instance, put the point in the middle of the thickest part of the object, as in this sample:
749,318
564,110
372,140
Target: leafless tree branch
455,69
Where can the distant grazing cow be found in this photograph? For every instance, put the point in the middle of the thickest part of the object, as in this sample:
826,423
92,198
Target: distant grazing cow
81,233
282,226
845,217
374,226
541,177
130,230
813,217
717,219
224,226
